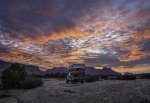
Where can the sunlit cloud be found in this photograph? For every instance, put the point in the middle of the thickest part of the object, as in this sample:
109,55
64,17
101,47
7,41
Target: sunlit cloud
57,33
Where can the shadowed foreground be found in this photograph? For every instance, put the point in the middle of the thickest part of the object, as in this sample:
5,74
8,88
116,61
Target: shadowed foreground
56,91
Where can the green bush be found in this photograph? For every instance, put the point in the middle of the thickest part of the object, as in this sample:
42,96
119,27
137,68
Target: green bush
4,95
105,77
30,82
16,77
129,77
145,76
12,76
120,77
90,78
57,75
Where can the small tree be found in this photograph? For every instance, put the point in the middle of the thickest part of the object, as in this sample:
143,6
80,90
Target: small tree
12,76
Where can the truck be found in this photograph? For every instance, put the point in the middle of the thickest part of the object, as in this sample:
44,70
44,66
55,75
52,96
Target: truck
76,73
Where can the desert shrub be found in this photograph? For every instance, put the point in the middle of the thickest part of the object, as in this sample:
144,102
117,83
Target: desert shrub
120,77
90,78
12,76
16,77
112,77
105,77
126,76
30,82
1,83
130,76
4,95
57,75
145,76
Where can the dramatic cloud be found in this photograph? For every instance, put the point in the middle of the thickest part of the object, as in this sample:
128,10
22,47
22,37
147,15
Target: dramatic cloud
49,33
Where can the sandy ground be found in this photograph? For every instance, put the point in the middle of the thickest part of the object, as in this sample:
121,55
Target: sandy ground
108,91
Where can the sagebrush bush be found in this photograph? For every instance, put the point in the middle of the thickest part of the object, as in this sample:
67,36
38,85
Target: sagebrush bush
30,82
12,76
90,78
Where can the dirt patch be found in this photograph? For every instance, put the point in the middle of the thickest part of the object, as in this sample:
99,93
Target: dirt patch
109,91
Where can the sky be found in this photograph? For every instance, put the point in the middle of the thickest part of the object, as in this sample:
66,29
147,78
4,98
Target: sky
56,33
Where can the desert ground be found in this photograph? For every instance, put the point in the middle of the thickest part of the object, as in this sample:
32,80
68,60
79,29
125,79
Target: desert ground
57,91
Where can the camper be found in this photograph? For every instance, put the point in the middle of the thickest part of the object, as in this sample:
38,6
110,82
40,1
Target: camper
76,73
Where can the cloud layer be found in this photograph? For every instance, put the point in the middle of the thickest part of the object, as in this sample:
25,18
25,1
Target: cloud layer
49,33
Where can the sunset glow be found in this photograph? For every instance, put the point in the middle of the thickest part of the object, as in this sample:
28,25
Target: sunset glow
54,33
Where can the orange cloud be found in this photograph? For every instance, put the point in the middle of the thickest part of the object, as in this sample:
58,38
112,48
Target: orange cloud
136,69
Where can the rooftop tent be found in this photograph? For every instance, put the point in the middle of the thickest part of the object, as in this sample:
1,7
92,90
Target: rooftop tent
77,67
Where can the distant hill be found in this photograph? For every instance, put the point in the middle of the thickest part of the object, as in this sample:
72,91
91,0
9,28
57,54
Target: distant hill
30,69
89,70
108,71
104,71
60,70
34,70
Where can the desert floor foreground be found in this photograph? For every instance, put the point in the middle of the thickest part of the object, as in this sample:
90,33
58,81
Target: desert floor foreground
57,91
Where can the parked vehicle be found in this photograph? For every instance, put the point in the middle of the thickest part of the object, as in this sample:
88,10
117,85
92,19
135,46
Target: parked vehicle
76,73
